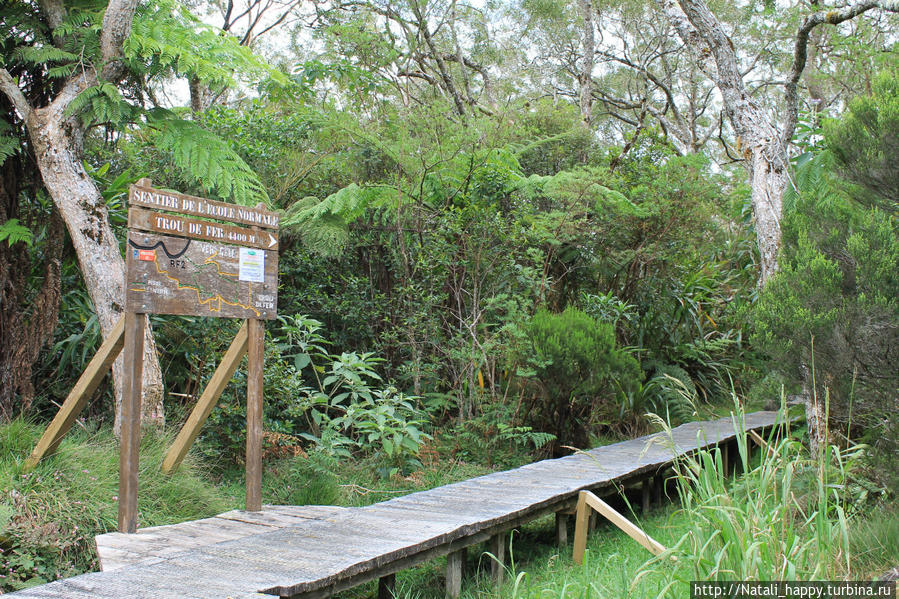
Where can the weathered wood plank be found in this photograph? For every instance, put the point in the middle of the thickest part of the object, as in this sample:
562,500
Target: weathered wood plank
208,399
79,395
156,222
143,194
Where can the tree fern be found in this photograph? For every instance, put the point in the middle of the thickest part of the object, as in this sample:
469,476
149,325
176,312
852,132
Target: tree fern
166,37
323,224
205,157
13,232
103,104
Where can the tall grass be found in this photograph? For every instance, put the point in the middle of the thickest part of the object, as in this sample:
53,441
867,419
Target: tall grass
784,518
49,516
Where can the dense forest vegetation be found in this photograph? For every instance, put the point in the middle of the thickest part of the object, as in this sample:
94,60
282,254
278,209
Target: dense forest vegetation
508,229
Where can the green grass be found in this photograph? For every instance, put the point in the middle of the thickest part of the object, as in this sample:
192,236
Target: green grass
49,516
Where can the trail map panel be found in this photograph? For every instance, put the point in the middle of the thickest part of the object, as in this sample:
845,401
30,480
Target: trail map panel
174,275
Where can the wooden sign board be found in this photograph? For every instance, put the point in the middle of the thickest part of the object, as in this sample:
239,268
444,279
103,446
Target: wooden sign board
174,275
170,201
146,220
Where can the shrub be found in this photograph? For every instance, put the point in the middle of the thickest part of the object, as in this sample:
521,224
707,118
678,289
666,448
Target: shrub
580,374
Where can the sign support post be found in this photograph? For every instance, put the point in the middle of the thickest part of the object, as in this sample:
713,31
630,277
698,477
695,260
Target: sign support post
256,364
130,420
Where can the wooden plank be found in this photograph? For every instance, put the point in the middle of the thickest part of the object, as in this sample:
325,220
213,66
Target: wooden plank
79,395
220,379
144,195
256,341
181,226
130,420
173,275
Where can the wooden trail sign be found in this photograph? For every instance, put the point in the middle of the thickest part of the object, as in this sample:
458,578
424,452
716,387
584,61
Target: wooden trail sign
172,268
169,201
178,265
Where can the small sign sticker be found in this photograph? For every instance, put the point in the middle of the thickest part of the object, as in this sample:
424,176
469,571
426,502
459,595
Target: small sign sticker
147,255
251,265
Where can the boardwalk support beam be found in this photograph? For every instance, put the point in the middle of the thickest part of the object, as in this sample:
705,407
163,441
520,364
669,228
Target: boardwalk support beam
455,564
498,562
387,587
562,528
587,502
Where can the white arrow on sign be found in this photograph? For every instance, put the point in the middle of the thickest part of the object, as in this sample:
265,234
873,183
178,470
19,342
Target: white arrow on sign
271,240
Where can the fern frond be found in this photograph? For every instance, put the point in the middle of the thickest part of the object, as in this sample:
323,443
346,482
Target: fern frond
12,232
166,36
206,158
102,104
323,225
39,55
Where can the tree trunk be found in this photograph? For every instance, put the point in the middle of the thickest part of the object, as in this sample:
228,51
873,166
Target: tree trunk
769,180
57,141
585,76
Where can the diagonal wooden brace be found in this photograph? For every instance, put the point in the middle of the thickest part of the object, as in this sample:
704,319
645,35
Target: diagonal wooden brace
79,395
587,500
220,379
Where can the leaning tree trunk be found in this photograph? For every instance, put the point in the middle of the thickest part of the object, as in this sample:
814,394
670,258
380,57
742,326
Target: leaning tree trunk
57,141
768,174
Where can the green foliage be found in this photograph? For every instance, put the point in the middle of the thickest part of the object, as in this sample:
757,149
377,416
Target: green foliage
13,232
864,139
208,159
784,518
348,412
832,310
576,362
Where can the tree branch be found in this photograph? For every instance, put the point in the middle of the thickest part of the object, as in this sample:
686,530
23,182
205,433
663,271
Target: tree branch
800,52
116,29
11,90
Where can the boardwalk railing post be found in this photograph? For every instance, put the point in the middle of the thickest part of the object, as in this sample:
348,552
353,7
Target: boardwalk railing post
646,493
256,332
130,418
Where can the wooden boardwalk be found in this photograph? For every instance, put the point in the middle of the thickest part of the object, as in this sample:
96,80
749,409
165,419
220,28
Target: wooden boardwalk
289,552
